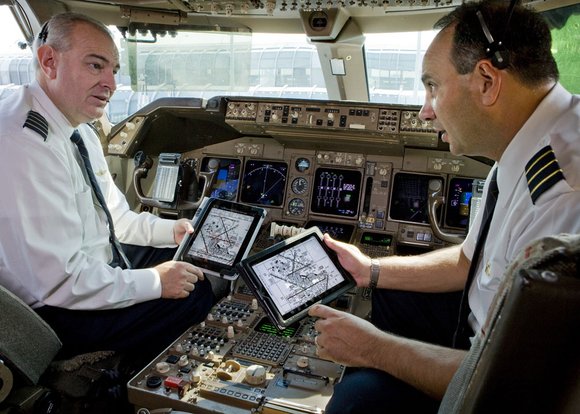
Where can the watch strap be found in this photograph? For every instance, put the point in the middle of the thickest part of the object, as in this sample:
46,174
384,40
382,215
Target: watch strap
375,270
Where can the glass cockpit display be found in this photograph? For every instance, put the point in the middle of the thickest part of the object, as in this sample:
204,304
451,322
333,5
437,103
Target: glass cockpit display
227,178
458,204
264,182
336,192
410,197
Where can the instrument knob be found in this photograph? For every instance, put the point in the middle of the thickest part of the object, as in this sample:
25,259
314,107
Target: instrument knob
255,375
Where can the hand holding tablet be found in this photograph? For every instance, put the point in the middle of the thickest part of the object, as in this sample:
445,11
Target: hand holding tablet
224,234
294,274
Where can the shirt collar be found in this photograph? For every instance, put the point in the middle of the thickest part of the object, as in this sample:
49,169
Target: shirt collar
57,123
530,138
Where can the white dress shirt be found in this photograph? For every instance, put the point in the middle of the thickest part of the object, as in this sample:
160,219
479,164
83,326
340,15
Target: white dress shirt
54,239
517,220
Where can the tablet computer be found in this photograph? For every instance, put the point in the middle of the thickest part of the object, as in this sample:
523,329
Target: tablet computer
224,234
294,274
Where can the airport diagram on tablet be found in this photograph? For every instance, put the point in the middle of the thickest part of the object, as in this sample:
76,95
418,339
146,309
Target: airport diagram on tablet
297,275
221,236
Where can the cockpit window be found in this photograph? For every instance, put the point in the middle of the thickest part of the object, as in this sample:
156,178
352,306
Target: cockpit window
393,63
187,61
204,62
207,64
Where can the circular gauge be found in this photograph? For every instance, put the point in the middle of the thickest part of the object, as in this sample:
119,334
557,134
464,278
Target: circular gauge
296,207
299,185
302,164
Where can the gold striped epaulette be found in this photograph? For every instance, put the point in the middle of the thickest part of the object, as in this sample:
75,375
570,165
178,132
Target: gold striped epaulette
542,172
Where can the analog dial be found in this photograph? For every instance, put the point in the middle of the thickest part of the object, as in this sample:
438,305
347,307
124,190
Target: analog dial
299,185
296,207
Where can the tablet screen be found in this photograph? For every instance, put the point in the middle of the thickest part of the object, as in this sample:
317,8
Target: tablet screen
297,275
294,274
224,234
221,236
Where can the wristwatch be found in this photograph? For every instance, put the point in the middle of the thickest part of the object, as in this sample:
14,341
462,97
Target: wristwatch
375,270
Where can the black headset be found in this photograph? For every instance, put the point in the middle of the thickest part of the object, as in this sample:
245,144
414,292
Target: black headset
495,50
43,34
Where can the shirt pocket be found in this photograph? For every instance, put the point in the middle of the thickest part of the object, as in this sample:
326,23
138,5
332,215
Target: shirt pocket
87,212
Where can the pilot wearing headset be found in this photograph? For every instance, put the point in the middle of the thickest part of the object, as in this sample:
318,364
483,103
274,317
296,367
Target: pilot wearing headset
491,90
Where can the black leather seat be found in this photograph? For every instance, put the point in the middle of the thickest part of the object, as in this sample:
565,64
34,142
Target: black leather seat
528,359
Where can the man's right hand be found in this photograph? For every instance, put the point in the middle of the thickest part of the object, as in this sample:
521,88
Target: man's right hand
178,279
352,259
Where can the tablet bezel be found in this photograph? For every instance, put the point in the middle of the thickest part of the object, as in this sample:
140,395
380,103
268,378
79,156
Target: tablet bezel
214,267
252,279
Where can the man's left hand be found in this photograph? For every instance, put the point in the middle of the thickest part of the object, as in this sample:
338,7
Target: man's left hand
181,228
344,338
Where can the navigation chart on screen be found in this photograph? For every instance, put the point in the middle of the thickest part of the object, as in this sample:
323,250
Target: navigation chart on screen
221,236
298,274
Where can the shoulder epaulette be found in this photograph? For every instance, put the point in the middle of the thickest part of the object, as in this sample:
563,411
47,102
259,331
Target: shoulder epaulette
37,123
542,172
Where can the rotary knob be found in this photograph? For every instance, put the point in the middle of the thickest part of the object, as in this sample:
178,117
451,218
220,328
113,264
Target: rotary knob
255,375
303,362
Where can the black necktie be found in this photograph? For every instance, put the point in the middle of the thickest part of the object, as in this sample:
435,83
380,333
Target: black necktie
118,253
461,338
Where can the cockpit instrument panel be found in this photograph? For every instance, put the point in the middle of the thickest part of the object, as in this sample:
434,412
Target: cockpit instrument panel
336,192
264,182
227,177
410,197
338,231
302,164
458,202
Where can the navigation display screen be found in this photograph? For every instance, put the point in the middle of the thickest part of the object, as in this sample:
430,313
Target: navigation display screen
458,202
264,182
336,192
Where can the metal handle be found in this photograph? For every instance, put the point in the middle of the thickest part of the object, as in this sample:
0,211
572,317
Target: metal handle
436,200
141,172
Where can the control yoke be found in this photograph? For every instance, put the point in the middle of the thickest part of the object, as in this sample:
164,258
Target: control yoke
436,199
175,183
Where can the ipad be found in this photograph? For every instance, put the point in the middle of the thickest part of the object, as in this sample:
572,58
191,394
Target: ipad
294,274
224,234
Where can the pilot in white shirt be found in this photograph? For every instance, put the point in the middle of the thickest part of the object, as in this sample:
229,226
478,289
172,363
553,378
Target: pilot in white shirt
55,237
51,223
538,180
